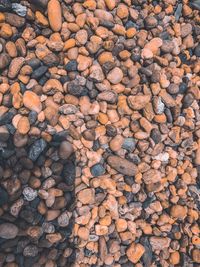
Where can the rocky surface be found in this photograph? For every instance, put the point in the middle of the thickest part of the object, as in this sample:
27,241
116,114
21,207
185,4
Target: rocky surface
99,133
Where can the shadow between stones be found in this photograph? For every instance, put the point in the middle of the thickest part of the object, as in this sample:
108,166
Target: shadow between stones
37,199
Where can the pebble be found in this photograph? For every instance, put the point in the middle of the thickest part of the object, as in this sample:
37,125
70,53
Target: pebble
97,170
4,60
86,196
23,125
151,176
36,149
8,230
3,196
65,150
129,144
29,193
135,252
54,15
156,135
32,101
15,67
138,102
178,212
115,75
122,165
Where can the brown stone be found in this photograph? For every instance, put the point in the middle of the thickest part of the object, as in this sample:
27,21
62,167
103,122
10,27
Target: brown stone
23,125
135,252
122,165
178,212
86,196
54,15
32,101
138,102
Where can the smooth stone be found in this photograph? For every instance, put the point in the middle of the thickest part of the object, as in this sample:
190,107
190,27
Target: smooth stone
97,170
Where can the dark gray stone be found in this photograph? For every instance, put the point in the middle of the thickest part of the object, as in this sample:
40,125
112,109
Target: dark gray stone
36,149
97,170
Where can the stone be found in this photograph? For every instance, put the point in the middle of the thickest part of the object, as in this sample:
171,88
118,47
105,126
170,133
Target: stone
29,193
23,125
36,149
8,230
97,170
30,251
54,15
4,60
3,196
115,75
71,65
65,150
4,133
19,9
32,101
86,196
39,72
151,176
138,102
196,255
15,20
156,135
129,144
5,5
178,212
159,243
122,165
188,100
108,96
64,218
197,50
135,252
121,225
15,67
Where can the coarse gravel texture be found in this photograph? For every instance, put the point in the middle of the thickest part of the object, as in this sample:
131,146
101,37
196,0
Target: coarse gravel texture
106,92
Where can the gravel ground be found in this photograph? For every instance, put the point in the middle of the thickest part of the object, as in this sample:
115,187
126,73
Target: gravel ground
106,92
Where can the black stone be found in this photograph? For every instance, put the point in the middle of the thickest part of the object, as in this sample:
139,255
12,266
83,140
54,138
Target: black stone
97,170
68,172
195,4
182,88
34,63
32,117
197,50
188,100
43,80
36,149
6,118
111,130
39,72
5,5
71,65
107,24
3,196
156,135
75,89
64,79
